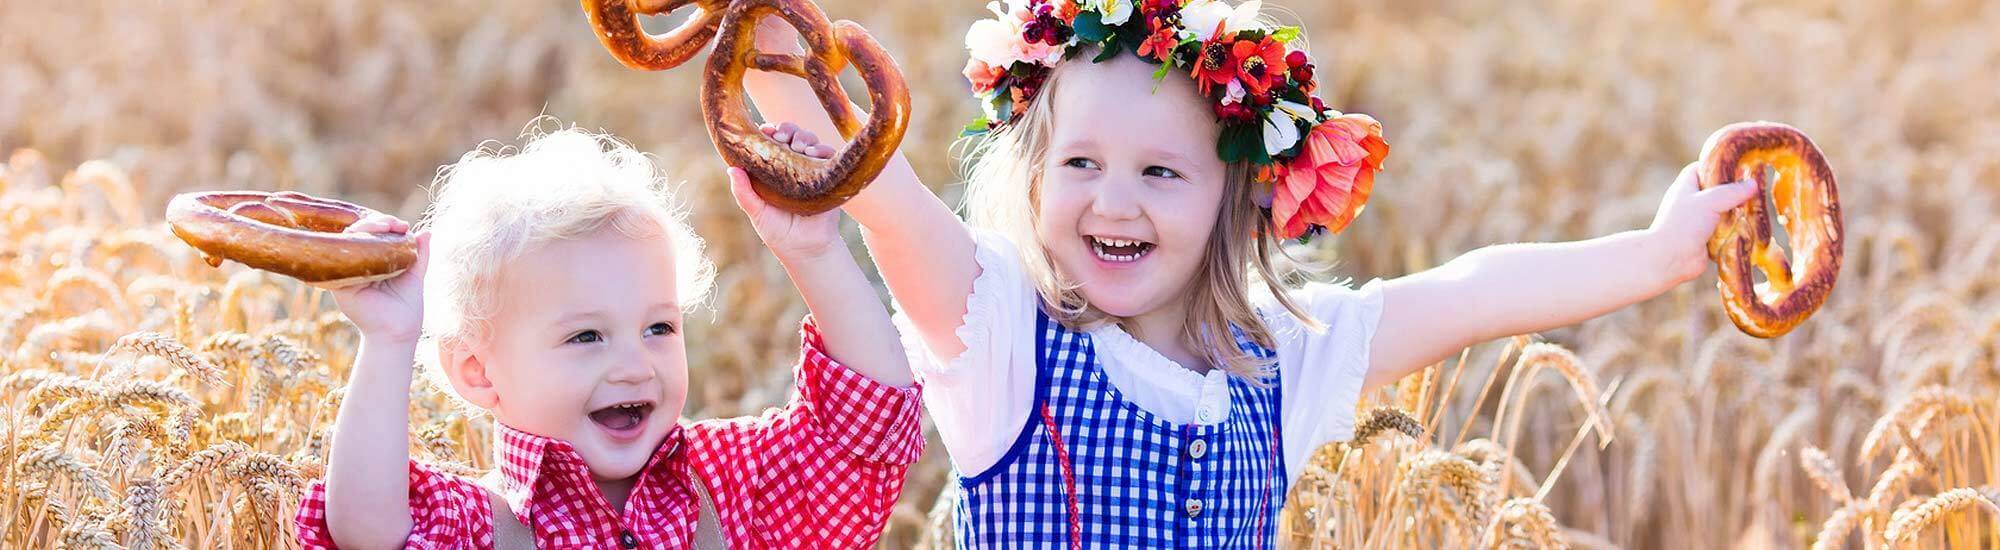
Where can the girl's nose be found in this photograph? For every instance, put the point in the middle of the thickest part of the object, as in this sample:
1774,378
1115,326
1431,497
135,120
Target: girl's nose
1114,199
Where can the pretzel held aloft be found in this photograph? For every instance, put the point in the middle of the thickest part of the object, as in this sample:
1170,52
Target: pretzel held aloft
788,179
290,234
617,25
1784,163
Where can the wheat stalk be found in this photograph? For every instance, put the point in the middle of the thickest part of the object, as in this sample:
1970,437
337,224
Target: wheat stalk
1906,524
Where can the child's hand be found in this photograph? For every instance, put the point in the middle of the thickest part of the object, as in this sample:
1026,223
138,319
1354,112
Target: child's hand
789,236
390,310
1688,216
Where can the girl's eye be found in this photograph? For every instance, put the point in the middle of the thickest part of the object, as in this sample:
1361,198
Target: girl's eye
659,329
1161,172
1080,162
586,337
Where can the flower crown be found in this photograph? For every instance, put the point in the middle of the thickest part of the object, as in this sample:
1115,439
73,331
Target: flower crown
1314,167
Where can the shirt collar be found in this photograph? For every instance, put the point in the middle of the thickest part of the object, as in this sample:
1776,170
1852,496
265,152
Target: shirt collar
525,458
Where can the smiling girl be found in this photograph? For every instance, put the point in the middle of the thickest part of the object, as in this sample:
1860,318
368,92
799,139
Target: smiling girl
1096,361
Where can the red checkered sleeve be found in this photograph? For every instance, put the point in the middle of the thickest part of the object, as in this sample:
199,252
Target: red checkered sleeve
446,511
823,471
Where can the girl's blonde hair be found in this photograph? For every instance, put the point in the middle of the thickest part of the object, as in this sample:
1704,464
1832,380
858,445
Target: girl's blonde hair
497,204
1003,186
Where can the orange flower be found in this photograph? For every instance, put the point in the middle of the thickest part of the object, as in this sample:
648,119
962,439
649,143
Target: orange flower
982,76
1260,63
1330,180
1066,10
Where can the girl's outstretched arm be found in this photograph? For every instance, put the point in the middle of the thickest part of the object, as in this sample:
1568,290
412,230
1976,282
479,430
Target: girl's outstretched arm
1513,289
922,249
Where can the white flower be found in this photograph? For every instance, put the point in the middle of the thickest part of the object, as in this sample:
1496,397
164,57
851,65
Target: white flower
1281,129
1199,17
1115,12
991,41
999,42
1234,93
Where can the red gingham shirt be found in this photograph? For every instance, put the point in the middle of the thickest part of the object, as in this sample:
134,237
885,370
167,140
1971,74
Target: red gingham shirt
821,472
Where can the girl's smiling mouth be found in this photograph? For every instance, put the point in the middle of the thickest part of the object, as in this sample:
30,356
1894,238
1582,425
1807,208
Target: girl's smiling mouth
1117,249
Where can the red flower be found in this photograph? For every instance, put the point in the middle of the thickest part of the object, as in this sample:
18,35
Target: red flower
1330,180
982,76
1234,113
1215,65
1302,70
1160,45
1258,63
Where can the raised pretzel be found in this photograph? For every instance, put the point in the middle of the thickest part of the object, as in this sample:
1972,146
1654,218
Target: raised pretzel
291,234
1784,163
785,178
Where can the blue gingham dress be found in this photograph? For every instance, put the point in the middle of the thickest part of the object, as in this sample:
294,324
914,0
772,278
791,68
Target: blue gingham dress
1090,469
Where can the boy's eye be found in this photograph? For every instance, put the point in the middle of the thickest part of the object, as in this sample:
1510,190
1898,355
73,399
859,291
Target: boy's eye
1080,162
1161,172
586,337
660,329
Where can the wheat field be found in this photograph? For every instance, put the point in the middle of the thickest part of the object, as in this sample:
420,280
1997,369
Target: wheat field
148,400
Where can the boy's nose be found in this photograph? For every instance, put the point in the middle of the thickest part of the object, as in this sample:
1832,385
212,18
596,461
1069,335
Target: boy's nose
633,367
631,372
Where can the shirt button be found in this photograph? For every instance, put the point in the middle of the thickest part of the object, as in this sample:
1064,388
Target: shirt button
1194,508
626,540
1198,448
1204,416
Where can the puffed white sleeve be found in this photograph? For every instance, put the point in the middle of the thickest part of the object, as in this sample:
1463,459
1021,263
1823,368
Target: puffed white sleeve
980,398
1322,372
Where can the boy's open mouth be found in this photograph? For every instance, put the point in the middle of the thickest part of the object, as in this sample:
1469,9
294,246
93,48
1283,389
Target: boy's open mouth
1112,249
623,419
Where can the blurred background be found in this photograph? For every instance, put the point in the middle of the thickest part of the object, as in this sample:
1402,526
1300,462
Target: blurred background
1511,121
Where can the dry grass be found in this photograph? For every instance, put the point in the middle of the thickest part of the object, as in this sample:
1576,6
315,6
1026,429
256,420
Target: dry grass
1553,119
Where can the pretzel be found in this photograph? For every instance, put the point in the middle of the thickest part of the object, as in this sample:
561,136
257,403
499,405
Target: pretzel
785,178
1786,164
290,234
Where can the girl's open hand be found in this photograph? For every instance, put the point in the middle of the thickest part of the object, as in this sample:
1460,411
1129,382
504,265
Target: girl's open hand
789,236
1687,217
392,309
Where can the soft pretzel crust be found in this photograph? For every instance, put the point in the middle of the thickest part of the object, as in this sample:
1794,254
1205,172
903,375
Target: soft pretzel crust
291,234
782,177
1786,165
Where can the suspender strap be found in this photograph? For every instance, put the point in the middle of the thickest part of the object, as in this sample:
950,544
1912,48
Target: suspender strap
1069,479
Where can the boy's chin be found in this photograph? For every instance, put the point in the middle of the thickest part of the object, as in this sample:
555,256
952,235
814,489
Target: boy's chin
617,463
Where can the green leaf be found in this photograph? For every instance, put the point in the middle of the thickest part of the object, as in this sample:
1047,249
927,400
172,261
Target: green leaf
977,127
1089,27
1111,49
1286,34
1241,142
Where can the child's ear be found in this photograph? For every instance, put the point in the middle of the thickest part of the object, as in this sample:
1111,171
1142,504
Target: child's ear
465,366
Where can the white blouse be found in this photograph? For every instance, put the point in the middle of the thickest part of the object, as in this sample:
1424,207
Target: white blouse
981,398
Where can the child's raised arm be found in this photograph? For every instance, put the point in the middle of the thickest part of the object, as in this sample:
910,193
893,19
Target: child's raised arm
844,306
1513,289
924,252
368,470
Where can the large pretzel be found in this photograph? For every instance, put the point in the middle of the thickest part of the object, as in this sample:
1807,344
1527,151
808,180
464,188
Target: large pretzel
290,234
785,178
1786,164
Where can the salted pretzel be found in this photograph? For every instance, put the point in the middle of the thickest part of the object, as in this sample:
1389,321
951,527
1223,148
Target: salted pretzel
1784,163
291,234
787,179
